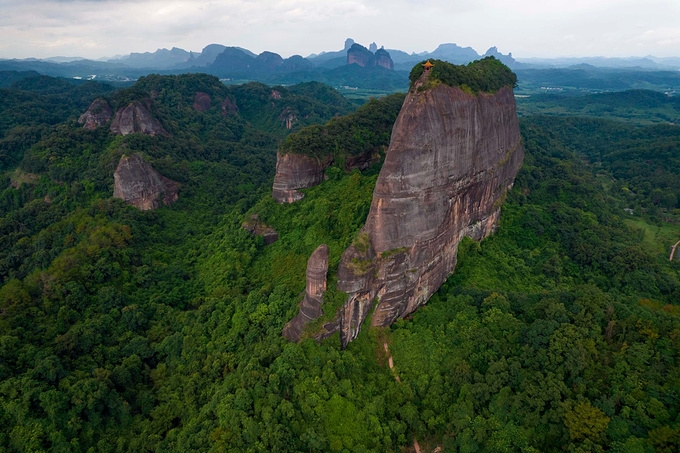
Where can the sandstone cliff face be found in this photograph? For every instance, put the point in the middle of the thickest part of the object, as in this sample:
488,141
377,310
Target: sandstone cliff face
310,307
451,160
228,107
98,114
382,58
358,54
136,118
139,184
201,101
296,171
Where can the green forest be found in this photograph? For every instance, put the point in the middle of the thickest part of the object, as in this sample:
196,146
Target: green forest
125,330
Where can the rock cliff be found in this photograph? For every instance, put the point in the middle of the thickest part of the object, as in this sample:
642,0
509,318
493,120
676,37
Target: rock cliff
98,114
310,307
136,117
354,141
452,158
382,58
358,54
296,171
139,184
201,101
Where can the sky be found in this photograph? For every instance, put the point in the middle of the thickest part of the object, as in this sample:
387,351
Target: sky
527,28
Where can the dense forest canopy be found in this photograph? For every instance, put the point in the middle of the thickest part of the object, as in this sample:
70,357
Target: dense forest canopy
487,75
123,330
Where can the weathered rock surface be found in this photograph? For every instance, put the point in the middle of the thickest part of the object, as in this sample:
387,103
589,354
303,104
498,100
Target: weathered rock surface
382,58
201,101
296,171
452,159
255,227
139,184
310,307
228,107
288,118
98,114
358,54
136,117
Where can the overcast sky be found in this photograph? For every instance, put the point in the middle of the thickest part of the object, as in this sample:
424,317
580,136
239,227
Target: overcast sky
527,28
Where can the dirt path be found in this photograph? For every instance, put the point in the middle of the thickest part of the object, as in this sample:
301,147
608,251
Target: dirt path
391,363
673,251
415,445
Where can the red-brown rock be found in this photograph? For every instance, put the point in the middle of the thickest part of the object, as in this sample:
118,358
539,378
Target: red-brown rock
296,171
228,107
201,101
452,159
310,307
139,184
136,117
98,114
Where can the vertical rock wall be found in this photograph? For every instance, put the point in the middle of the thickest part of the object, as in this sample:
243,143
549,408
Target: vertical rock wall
310,307
452,158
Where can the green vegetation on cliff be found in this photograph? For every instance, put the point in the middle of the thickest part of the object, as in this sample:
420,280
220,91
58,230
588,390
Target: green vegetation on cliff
364,132
487,75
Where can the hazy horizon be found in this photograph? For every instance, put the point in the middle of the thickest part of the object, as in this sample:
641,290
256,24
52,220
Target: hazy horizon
528,28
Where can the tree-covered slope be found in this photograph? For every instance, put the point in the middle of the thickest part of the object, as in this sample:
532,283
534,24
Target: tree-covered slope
123,330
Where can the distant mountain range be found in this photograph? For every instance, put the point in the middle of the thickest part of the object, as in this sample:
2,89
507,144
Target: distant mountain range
353,66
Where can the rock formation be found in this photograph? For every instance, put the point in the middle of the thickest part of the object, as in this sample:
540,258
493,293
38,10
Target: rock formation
201,101
255,227
452,158
382,58
229,106
139,184
98,114
310,307
136,117
288,118
358,54
296,171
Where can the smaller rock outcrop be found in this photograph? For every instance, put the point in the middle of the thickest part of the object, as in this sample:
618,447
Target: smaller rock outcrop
358,54
201,101
98,114
139,184
229,106
382,58
288,118
310,307
296,171
136,117
255,227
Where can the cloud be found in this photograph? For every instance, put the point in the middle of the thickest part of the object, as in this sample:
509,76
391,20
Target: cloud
94,28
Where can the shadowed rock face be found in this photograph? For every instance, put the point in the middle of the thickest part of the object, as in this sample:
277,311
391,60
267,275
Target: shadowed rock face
201,101
382,58
98,114
296,171
310,307
228,107
358,54
451,160
136,118
255,227
139,184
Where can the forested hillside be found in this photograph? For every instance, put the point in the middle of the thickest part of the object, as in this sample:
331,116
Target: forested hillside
124,330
